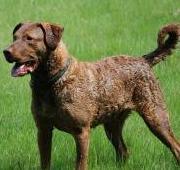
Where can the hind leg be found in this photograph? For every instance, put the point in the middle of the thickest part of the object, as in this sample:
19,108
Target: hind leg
150,104
156,119
113,129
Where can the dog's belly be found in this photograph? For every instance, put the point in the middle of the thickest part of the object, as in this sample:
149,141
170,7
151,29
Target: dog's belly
66,124
111,111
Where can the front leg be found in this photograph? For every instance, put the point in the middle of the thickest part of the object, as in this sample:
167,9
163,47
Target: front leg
82,147
44,137
44,144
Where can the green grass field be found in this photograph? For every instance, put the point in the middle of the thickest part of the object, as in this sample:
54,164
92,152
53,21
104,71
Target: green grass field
93,29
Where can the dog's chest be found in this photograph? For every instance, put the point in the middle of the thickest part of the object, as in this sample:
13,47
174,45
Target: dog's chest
56,108
43,103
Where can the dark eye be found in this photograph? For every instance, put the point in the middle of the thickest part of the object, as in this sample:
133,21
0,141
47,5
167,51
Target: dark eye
29,38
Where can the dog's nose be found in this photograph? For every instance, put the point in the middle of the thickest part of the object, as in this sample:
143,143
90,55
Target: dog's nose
8,56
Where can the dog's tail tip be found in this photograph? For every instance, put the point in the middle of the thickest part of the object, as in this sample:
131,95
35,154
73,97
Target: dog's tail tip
173,30
165,44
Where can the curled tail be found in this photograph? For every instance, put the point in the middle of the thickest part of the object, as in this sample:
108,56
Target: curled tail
165,45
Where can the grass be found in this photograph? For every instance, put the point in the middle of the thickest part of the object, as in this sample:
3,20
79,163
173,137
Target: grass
93,29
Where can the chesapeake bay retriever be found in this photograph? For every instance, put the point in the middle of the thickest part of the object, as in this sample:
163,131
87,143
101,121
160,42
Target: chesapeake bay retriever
75,96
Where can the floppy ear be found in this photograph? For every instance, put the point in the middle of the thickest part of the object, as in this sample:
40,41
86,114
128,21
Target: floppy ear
17,27
52,33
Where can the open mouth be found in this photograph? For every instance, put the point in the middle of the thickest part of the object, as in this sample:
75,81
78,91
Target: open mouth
21,69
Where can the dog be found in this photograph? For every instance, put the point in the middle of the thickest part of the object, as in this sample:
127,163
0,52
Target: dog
75,96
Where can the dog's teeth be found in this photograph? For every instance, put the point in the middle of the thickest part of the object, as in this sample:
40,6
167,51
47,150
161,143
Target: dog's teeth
31,69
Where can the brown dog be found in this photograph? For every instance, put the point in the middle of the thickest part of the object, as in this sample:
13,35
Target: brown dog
74,96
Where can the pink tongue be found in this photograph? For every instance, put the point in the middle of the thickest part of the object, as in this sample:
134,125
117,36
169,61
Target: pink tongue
20,70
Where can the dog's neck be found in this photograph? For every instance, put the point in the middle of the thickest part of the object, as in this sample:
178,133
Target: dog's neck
55,65
57,59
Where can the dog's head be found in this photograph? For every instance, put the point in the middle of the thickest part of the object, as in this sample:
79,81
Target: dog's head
32,42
